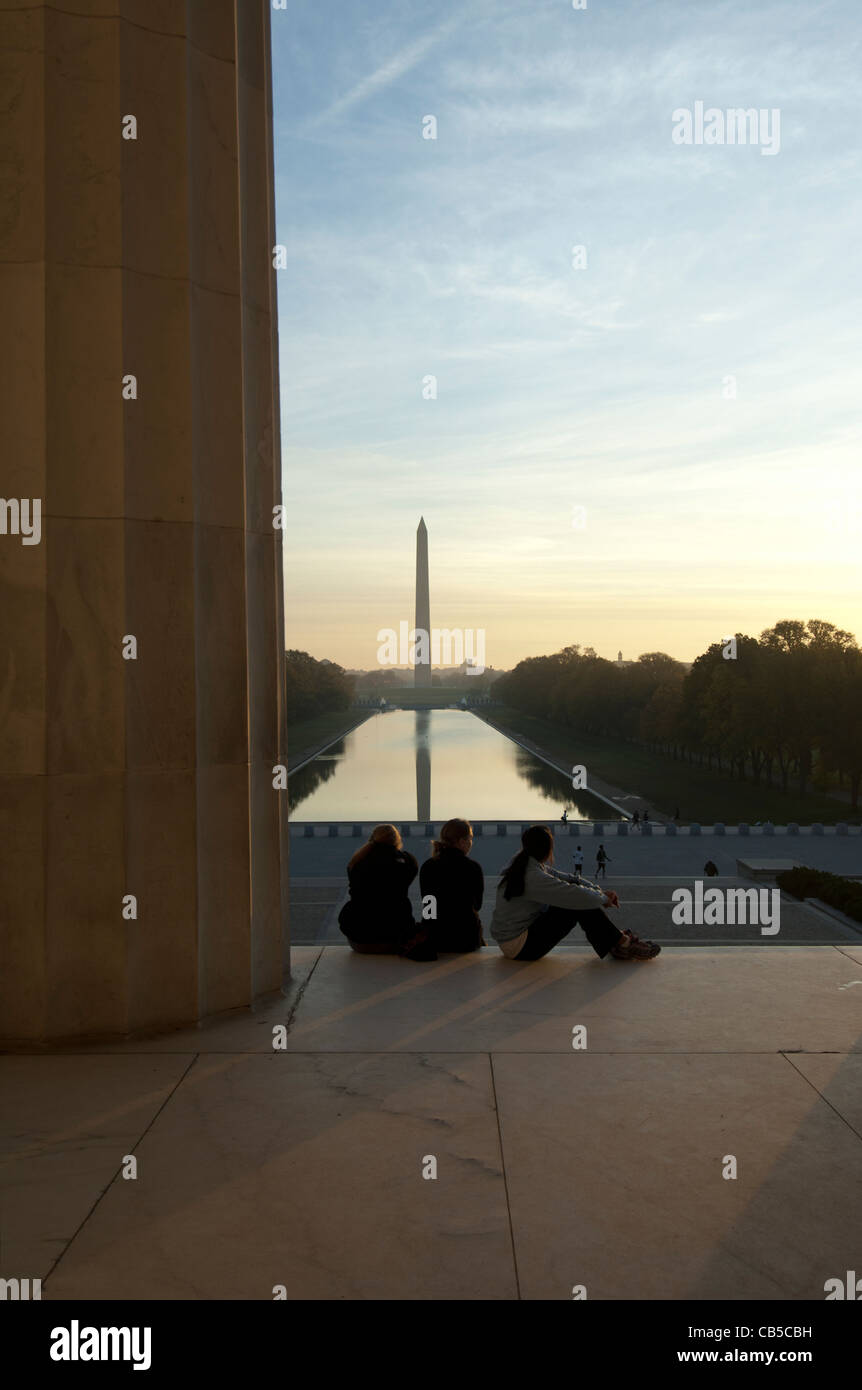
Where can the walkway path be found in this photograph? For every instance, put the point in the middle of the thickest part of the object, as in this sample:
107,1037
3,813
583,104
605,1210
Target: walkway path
643,856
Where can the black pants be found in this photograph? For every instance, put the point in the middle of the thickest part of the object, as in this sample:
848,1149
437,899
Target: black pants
556,922
380,932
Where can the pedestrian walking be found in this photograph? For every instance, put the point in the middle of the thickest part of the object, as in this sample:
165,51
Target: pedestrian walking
602,859
578,857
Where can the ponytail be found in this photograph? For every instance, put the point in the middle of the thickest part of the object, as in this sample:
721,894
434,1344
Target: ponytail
538,843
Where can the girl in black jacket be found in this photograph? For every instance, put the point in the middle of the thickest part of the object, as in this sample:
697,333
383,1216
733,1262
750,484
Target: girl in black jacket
456,884
378,919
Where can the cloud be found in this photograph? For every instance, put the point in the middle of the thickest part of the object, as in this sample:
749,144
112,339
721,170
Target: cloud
389,72
557,386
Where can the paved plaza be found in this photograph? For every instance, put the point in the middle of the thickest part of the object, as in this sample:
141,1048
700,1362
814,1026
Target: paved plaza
644,855
599,1167
643,870
387,1130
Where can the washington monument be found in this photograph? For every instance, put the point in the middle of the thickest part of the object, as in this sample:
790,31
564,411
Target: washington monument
422,667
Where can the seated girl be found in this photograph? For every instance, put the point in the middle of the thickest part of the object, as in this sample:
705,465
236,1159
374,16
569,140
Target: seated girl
456,883
537,906
378,919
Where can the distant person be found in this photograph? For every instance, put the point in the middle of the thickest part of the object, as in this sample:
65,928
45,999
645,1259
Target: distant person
710,869
636,820
602,860
378,918
565,816
457,885
578,857
537,906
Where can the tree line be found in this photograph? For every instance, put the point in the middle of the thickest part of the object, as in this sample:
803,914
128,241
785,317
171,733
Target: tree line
313,687
782,707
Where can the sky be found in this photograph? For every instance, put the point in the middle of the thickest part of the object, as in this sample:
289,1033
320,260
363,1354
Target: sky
693,387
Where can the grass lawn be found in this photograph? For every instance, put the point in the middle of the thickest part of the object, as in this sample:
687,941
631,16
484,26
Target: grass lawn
310,735
701,795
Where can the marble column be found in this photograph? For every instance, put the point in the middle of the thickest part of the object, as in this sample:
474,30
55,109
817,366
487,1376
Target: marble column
148,778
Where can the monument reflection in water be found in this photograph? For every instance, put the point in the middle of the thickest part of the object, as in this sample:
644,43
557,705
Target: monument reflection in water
428,765
423,764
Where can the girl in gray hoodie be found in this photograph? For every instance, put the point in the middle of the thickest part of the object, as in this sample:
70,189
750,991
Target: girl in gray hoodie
537,906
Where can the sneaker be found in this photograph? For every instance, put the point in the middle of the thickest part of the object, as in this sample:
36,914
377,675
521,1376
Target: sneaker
630,947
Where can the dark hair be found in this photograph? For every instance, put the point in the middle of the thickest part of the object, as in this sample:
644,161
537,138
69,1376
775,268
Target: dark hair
538,843
450,833
380,835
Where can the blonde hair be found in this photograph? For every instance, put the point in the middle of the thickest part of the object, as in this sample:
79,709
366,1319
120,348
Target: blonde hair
450,834
380,835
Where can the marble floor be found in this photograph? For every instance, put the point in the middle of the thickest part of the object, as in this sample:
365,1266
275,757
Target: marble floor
391,1130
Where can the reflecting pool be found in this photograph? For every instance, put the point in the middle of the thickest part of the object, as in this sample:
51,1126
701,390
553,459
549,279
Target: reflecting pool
429,765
